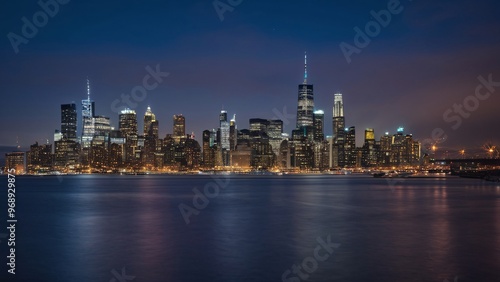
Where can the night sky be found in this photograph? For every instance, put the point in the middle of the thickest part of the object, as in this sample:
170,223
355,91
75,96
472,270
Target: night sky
427,58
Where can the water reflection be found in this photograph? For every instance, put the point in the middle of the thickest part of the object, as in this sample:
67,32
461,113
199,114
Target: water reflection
417,230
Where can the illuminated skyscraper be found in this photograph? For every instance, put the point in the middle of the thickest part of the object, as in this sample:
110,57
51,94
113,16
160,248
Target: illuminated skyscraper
258,124
370,149
66,147
318,121
350,146
275,133
404,150
128,129
179,128
225,144
68,122
88,113
128,123
149,117
151,146
224,130
338,148
102,126
208,151
233,133
384,155
305,105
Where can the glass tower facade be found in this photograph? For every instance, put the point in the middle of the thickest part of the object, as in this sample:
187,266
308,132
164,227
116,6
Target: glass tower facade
68,122
305,103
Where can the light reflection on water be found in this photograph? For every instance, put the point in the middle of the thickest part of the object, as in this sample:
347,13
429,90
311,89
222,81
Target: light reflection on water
258,227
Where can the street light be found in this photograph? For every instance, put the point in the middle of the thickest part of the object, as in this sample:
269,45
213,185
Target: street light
462,153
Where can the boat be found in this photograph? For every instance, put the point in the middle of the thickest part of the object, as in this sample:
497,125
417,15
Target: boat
392,174
429,174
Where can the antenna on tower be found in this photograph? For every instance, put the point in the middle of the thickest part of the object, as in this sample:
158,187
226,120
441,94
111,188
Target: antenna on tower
88,88
305,67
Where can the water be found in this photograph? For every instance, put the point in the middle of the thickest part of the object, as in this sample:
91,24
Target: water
91,228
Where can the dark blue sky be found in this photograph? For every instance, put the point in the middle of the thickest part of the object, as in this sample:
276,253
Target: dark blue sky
427,59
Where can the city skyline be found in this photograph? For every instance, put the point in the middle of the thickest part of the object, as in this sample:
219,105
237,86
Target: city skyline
407,65
87,108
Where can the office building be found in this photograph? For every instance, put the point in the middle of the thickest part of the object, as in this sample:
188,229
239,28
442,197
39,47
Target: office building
179,128
68,122
305,103
88,113
15,160
128,129
338,148
318,121
39,158
149,117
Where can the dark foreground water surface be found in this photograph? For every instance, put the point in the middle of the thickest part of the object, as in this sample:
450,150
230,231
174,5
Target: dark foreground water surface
129,228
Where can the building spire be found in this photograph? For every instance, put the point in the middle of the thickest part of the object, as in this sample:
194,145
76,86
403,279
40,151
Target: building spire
88,88
305,67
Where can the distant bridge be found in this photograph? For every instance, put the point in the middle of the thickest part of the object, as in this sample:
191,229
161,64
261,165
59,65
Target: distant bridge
494,162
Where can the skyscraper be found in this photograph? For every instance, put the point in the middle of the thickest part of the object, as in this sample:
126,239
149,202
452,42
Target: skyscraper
208,152
305,105
225,144
338,148
350,146
275,133
68,122
318,121
66,148
102,126
128,122
150,131
128,129
149,117
179,128
233,134
259,124
88,113
369,157
224,130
